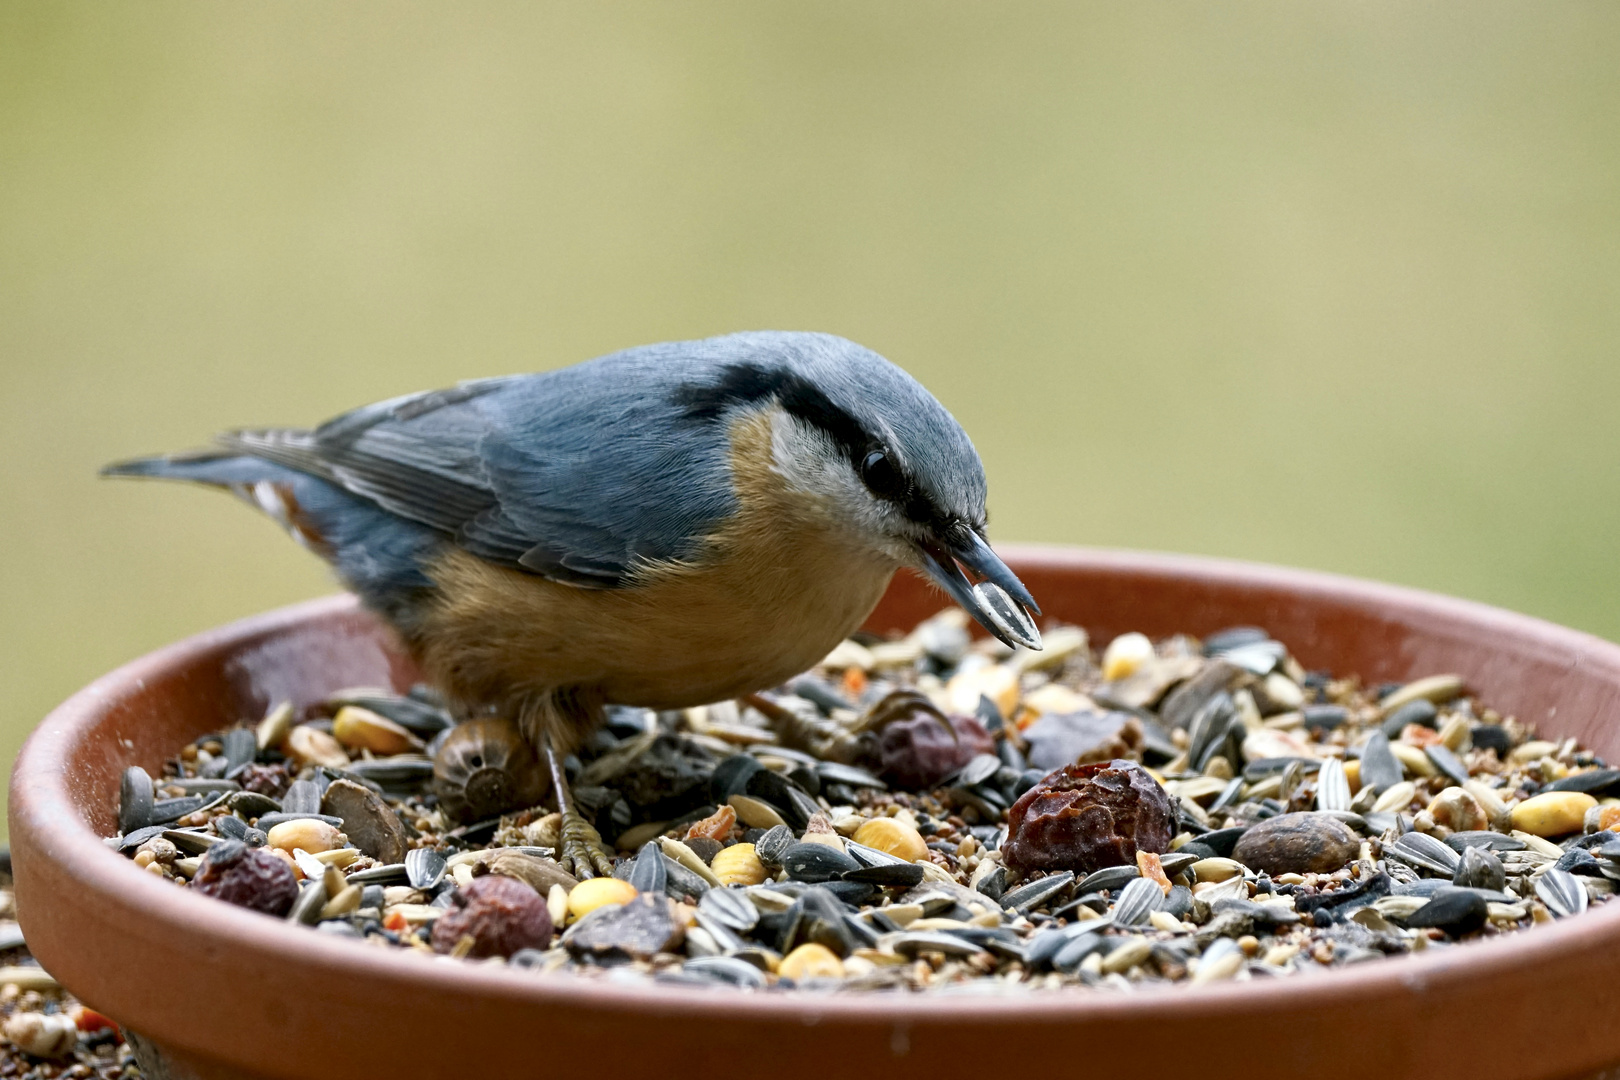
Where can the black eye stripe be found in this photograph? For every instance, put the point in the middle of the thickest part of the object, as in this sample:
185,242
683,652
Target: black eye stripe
746,384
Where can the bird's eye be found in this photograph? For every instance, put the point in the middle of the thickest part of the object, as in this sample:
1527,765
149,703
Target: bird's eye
882,476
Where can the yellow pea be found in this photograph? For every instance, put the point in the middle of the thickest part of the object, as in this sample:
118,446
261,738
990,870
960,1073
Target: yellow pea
1553,814
1125,654
311,834
593,893
894,837
738,865
312,746
359,727
811,961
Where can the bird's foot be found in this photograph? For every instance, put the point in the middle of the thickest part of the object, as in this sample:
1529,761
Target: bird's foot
582,852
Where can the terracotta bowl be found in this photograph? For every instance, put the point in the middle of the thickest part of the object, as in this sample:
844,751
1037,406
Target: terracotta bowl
228,993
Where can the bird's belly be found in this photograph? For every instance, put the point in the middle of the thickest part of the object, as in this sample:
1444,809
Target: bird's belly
685,638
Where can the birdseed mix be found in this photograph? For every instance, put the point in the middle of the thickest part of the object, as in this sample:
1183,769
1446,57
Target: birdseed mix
47,1034
922,813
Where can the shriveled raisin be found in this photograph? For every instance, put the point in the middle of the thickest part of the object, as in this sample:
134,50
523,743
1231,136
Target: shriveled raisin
918,751
247,877
500,914
1084,817
271,780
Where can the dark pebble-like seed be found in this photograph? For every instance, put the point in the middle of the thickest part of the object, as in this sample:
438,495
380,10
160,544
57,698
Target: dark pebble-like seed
648,874
730,777
1448,763
1456,911
1562,892
816,862
135,800
1597,782
307,908
1494,841
1137,900
1069,958
1325,717
784,796
167,810
852,892
1043,947
240,746
1379,767
303,797
773,845
1579,861
391,874
135,839
1109,877
1263,768
730,908
849,775
888,875
806,779
994,884
1421,712
1425,853
251,804
727,970
1041,891
1480,868
1178,902
704,847
1491,737
1026,780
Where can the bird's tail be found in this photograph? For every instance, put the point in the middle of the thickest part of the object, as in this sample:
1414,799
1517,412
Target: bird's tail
217,468
303,505
376,554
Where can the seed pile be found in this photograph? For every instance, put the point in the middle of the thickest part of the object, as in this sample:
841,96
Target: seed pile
47,1034
921,813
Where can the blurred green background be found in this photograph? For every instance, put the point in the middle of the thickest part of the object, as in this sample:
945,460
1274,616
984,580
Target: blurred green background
1333,285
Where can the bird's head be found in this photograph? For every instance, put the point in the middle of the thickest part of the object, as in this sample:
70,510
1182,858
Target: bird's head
876,450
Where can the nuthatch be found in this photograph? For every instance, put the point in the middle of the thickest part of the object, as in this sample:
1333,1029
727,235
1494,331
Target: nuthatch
665,527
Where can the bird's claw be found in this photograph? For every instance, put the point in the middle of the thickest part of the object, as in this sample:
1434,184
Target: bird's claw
582,852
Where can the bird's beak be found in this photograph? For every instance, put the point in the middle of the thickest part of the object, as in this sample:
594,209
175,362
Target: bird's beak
999,603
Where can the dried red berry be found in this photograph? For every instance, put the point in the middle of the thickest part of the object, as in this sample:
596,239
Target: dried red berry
918,752
271,780
1085,817
253,878
501,914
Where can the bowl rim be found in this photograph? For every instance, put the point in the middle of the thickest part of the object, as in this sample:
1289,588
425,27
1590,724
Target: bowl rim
42,810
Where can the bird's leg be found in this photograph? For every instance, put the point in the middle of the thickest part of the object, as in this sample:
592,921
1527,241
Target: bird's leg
581,851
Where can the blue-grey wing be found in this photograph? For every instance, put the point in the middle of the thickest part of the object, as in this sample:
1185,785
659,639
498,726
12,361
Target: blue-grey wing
579,475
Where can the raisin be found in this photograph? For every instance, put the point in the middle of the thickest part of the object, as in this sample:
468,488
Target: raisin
918,752
271,780
500,914
247,877
1085,817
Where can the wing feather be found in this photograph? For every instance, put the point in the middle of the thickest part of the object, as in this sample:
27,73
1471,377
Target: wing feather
577,475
